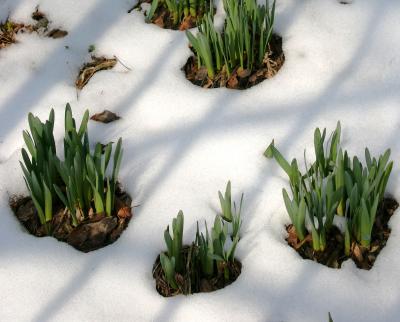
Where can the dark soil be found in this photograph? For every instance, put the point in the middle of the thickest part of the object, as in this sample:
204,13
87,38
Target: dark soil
334,254
163,19
192,280
240,78
95,232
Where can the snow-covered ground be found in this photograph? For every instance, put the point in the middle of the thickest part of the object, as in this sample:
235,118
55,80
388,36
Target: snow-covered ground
182,143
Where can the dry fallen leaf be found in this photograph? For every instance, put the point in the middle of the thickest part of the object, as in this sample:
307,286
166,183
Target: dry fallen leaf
208,83
9,29
159,21
233,82
374,248
186,23
89,69
253,78
6,39
292,237
243,73
293,240
124,212
105,117
57,33
357,252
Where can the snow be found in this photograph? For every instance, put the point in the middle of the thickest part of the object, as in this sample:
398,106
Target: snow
182,144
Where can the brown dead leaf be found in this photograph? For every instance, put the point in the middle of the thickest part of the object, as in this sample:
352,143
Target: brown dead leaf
292,237
186,23
307,239
243,73
42,24
233,81
261,72
208,84
8,31
89,69
57,33
221,265
253,78
105,117
124,212
223,77
293,240
357,252
240,78
6,39
79,214
91,213
159,21
374,248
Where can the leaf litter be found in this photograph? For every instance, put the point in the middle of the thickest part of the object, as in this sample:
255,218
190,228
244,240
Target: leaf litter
9,29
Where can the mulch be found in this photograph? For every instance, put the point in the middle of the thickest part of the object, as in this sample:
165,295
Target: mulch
239,78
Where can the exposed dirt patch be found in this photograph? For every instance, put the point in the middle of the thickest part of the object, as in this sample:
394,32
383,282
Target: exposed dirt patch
95,232
239,78
334,254
192,280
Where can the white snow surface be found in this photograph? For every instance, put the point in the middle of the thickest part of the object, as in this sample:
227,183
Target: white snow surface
183,143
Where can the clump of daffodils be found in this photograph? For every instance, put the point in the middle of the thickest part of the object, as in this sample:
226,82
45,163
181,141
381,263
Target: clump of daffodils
334,185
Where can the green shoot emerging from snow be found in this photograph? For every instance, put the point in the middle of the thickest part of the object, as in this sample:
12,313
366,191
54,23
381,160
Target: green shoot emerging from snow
179,10
212,251
244,41
334,185
80,181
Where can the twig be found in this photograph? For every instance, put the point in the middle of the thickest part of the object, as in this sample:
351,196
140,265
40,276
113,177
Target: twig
128,68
